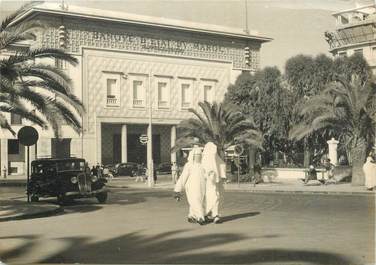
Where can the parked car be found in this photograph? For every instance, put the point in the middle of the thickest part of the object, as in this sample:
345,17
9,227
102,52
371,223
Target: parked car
125,169
164,168
65,179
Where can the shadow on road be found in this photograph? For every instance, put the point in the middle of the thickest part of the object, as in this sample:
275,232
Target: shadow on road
174,247
233,217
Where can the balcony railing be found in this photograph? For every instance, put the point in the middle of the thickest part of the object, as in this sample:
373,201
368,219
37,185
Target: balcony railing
185,105
138,103
163,104
112,101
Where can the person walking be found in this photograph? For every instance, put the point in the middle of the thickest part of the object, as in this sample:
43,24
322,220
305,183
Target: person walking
174,172
193,180
369,169
215,176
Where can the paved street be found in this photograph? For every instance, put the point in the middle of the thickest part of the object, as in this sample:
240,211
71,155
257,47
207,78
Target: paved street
148,226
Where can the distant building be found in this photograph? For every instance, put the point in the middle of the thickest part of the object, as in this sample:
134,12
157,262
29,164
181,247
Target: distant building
355,33
128,63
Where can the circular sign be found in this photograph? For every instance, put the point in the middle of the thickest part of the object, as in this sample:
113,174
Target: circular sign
238,150
143,138
28,135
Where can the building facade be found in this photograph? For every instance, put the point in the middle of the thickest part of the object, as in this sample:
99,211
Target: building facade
355,33
133,68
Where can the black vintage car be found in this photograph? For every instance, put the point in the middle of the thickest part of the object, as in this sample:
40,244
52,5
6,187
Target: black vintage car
65,179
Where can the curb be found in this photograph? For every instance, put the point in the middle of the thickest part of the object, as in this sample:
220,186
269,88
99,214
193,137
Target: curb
39,214
342,193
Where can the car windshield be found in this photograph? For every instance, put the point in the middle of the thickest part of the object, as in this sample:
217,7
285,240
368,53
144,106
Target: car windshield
70,165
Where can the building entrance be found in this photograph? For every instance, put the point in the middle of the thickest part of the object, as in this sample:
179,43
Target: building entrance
138,153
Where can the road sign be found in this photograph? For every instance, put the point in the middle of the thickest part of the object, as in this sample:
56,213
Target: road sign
143,138
28,135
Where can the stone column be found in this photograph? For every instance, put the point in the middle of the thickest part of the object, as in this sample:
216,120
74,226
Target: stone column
173,141
173,155
99,143
332,144
4,156
124,146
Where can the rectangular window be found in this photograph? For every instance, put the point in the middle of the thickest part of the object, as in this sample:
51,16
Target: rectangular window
358,51
112,88
60,64
138,93
185,95
15,119
163,87
208,93
374,53
342,54
13,147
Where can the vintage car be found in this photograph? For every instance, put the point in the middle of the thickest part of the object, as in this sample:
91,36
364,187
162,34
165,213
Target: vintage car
66,179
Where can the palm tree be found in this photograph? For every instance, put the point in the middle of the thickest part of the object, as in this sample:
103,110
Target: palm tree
37,92
348,108
222,126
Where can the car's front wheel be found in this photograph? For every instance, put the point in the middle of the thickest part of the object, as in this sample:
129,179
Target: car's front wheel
102,197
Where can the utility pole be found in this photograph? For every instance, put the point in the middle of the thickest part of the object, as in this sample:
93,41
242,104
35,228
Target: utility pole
246,30
150,138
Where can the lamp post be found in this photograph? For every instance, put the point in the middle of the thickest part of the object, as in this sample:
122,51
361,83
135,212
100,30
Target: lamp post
150,138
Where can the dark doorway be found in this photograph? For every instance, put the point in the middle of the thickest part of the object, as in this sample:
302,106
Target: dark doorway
60,148
116,148
138,153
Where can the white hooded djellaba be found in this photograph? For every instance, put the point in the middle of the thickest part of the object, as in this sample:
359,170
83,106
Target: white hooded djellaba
215,173
369,170
193,179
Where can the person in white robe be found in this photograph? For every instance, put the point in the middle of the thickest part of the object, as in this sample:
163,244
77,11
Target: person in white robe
215,175
369,169
193,180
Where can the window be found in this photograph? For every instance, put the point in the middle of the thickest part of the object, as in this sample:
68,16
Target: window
60,64
374,53
207,90
342,54
112,86
138,93
358,51
13,147
15,119
186,95
163,86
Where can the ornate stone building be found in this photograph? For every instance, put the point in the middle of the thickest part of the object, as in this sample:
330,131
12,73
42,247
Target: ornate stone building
129,64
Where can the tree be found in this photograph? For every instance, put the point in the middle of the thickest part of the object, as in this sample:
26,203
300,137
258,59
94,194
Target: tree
306,76
215,123
37,92
263,97
346,107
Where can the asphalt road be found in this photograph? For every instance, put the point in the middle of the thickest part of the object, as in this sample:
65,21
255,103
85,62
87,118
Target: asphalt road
148,226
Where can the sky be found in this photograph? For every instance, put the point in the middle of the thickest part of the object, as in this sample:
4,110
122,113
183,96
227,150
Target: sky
296,26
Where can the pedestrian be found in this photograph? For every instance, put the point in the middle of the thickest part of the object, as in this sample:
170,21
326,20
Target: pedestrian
369,169
174,172
215,176
5,172
311,174
329,172
193,180
139,173
94,171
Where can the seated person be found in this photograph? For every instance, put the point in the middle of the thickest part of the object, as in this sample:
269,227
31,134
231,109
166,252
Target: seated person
311,174
329,167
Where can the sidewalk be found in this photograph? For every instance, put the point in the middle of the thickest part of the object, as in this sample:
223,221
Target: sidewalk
281,186
278,186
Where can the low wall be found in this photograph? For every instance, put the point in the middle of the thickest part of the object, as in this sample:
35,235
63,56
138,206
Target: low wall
269,174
